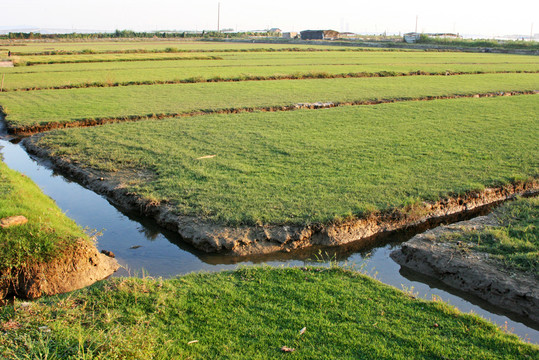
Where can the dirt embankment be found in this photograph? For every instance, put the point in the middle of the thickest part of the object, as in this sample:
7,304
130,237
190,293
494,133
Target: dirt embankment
470,272
80,266
26,130
264,239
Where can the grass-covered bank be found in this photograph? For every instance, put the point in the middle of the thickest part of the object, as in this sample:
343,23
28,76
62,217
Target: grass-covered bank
307,167
250,313
63,106
48,232
513,243
46,253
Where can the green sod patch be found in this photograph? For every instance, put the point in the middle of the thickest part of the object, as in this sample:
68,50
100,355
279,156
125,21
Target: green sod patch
61,106
314,166
250,313
240,66
47,232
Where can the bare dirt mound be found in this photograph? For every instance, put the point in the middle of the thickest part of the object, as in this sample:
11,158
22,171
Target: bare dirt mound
471,272
81,266
6,63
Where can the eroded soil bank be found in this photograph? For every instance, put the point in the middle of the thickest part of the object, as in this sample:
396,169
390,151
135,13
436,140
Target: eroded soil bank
468,271
264,239
80,266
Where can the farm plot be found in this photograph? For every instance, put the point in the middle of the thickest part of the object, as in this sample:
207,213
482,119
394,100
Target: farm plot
48,108
104,70
308,167
145,45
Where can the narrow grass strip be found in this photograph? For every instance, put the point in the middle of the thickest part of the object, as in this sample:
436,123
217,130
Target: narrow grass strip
295,76
309,167
27,109
69,60
251,313
175,50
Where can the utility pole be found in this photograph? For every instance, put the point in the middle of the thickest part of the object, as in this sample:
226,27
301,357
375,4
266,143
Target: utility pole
218,15
416,23
531,33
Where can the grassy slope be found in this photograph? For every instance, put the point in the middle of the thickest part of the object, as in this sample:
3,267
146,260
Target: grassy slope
250,314
316,166
236,65
40,107
48,230
515,243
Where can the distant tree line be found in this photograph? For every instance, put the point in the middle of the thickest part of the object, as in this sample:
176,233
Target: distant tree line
119,34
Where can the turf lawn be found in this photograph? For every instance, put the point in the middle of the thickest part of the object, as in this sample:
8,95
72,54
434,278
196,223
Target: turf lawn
42,107
250,313
310,166
105,70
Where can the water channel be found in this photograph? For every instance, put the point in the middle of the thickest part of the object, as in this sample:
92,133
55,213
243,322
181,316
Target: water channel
145,249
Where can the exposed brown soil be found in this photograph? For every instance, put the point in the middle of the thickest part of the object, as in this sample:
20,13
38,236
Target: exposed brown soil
264,239
26,130
305,76
79,266
13,221
6,63
470,272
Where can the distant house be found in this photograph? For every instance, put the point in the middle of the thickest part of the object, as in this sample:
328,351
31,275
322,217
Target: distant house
412,38
275,30
319,35
444,35
290,35
347,35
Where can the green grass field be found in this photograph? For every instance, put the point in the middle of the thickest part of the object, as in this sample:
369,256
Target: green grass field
315,166
250,313
48,231
67,59
59,106
242,65
149,45
297,167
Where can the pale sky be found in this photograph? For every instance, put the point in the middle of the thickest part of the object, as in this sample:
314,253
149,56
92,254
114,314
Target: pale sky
486,18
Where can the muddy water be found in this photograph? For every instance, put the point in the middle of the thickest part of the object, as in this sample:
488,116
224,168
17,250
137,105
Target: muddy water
143,248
